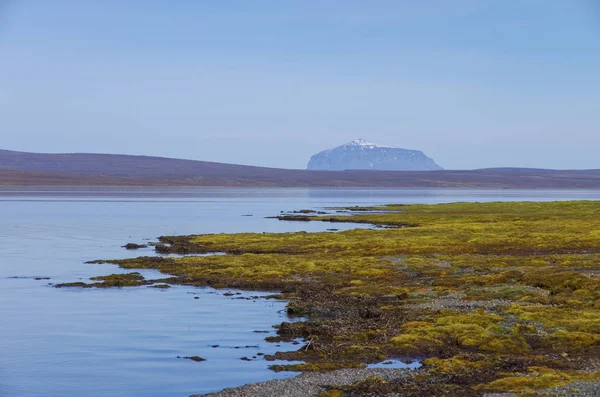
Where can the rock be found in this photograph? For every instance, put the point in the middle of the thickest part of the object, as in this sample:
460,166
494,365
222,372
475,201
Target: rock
132,246
161,286
193,358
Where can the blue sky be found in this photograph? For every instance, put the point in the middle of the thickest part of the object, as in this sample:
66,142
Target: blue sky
472,83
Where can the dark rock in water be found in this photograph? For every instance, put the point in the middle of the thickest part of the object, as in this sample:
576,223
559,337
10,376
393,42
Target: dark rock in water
133,246
363,155
193,358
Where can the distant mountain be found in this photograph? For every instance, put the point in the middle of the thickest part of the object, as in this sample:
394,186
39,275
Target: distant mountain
364,155
88,170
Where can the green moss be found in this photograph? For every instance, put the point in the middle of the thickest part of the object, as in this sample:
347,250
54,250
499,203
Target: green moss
572,319
407,290
113,280
467,330
545,380
536,379
79,284
572,341
506,292
458,365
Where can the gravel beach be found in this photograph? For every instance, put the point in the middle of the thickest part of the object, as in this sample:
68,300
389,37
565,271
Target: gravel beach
310,384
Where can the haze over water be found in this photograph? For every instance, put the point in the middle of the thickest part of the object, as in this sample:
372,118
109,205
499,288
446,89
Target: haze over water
124,342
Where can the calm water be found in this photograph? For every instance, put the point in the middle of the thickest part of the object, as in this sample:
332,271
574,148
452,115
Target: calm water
124,342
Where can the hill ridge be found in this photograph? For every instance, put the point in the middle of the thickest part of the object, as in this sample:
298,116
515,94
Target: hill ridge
89,169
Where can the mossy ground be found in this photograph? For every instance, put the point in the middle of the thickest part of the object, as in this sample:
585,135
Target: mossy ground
134,279
495,296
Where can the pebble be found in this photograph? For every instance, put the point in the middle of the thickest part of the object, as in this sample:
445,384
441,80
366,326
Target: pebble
310,384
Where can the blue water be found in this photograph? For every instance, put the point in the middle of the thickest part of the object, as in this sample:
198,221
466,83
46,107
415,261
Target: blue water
125,342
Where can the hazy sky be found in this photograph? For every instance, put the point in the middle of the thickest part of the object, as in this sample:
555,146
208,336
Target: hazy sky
472,83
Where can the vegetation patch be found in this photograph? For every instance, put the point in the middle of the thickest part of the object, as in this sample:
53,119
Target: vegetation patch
491,296
536,378
134,279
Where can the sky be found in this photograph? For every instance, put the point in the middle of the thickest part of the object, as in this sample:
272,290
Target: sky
472,83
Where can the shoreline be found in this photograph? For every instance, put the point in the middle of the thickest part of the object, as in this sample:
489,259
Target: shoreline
317,384
494,297
311,384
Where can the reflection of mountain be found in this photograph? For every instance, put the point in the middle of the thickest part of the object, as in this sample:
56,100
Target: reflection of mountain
363,155
17,168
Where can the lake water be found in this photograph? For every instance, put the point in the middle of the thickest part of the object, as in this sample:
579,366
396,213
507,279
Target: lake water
125,342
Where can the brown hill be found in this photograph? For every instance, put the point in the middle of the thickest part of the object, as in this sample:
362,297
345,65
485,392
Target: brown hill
20,168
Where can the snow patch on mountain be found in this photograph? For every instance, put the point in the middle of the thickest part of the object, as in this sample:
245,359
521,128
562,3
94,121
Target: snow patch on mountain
364,155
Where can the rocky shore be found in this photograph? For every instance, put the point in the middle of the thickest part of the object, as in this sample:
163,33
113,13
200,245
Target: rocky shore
311,384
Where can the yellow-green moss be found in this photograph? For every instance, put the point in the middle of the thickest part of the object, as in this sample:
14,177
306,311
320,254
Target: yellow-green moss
572,340
407,290
469,330
573,319
457,365
537,378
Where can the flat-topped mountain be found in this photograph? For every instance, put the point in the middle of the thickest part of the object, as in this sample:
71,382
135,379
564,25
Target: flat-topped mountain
364,155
